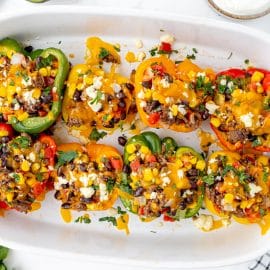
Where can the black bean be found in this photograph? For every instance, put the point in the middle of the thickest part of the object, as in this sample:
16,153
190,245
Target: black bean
2,118
83,167
154,105
109,97
204,114
64,186
122,103
120,95
57,195
77,96
28,49
110,124
93,123
192,172
126,169
4,149
66,206
139,191
132,108
4,162
86,200
17,158
72,166
4,139
123,116
168,77
70,195
147,84
46,98
189,200
182,205
108,165
122,140
130,86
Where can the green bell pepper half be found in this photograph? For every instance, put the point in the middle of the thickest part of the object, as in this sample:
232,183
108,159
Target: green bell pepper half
38,124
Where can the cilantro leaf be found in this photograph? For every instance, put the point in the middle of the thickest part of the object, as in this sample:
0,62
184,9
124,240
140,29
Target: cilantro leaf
65,157
96,135
21,142
103,53
110,184
109,219
209,179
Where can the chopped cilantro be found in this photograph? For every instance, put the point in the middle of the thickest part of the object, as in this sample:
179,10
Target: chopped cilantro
103,53
209,179
230,55
39,176
97,98
153,51
46,91
205,86
110,184
191,56
120,211
246,61
16,177
178,61
124,184
65,157
116,48
265,174
11,83
21,142
256,142
109,219
133,126
83,219
262,212
194,50
96,135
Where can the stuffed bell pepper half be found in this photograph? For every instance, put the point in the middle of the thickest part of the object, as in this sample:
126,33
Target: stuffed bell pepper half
26,168
240,113
31,85
86,177
173,96
96,98
239,187
160,178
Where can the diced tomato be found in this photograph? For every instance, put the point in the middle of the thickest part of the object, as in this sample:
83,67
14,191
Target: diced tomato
49,81
236,164
168,218
39,188
141,211
116,163
3,205
135,165
158,69
42,113
6,130
49,185
233,72
252,70
150,158
50,149
166,47
153,118
266,83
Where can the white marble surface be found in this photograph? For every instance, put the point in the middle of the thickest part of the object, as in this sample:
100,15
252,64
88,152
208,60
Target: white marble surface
23,260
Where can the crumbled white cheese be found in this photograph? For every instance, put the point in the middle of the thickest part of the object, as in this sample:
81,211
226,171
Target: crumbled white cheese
164,83
253,189
209,170
167,38
142,104
168,100
187,193
247,119
165,181
97,82
116,87
170,114
84,180
181,109
16,106
230,85
141,56
95,106
227,206
18,59
180,173
211,107
185,94
201,74
87,192
223,82
61,180
27,82
138,44
91,92
103,192
153,195
28,97
32,157
204,222
141,95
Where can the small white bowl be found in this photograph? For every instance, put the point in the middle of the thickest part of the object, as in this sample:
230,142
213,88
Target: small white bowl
241,9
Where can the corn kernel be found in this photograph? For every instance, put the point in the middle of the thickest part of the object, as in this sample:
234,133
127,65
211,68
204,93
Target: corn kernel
43,72
144,149
131,148
88,80
155,172
158,181
36,93
21,180
260,89
193,103
80,86
215,122
3,91
154,206
25,166
191,75
193,160
174,110
50,116
148,94
257,76
131,157
53,72
228,198
31,182
10,196
134,177
200,165
179,163
43,169
23,116
147,174
35,167
263,160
